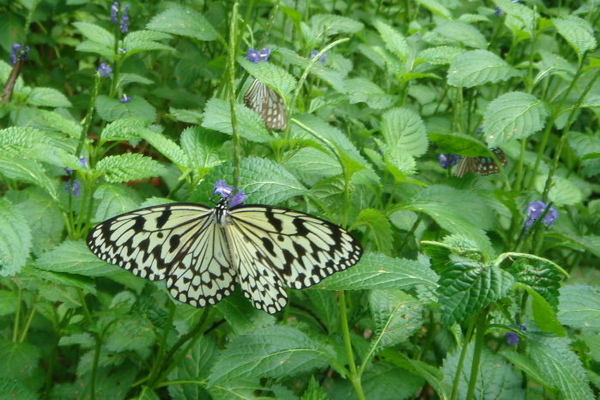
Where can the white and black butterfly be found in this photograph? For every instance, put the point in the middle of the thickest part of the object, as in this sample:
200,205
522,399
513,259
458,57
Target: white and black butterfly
481,165
203,252
268,104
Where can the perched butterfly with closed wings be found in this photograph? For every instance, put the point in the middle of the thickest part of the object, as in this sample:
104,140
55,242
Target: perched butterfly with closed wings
268,104
203,252
481,165
18,57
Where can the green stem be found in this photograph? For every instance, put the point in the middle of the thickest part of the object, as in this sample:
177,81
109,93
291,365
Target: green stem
461,361
479,343
232,96
355,376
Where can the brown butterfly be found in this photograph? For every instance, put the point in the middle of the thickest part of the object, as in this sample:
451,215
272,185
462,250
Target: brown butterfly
268,104
20,57
481,165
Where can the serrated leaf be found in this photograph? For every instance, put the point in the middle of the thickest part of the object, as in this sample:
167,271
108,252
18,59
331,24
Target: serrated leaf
138,41
465,289
166,147
242,316
241,388
194,365
564,192
324,25
57,122
217,116
270,74
361,90
380,230
478,67
201,147
128,167
396,315
544,315
275,352
15,239
47,97
73,257
25,170
124,129
405,138
580,306
114,200
436,8
110,109
393,39
540,277
441,54
96,34
18,360
384,380
183,21
132,334
513,115
461,33
378,271
578,32
17,388
559,366
312,165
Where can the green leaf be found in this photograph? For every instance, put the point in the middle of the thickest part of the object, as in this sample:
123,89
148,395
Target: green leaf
540,277
380,231
386,381
393,39
496,378
97,35
314,391
513,115
578,32
396,315
405,138
16,388
559,365
183,21
544,315
114,200
73,257
128,167
463,145
15,239
217,116
166,147
201,147
479,67
25,170
138,41
18,360
269,74
467,288
47,97
362,90
241,388
564,192
242,316
275,352
194,365
441,55
378,271
56,122
124,129
111,109
132,334
311,165
436,8
460,33
324,25
580,306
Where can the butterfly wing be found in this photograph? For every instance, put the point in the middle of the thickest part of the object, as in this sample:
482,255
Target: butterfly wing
179,242
481,165
268,104
286,247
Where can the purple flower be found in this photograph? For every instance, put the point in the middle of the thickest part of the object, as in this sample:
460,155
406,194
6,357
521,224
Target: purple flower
253,56
75,189
535,209
125,99
68,170
265,53
83,162
323,59
104,70
18,52
498,11
124,26
222,189
448,160
512,338
114,10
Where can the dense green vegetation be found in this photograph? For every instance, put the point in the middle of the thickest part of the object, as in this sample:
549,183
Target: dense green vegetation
472,287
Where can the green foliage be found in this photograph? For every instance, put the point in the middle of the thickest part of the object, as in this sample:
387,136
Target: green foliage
453,297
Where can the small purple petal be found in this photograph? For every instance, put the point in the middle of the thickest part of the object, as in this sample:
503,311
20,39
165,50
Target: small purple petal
237,199
448,160
114,10
253,56
124,26
68,170
222,189
265,53
83,161
512,338
125,99
75,190
104,70
535,209
498,11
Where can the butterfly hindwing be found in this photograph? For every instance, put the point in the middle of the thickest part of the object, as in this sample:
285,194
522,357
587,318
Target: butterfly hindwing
481,165
268,104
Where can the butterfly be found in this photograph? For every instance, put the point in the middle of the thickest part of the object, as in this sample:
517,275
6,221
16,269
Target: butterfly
19,61
203,252
268,104
481,165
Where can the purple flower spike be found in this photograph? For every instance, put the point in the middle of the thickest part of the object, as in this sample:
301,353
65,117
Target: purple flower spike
535,209
75,190
114,10
104,70
124,26
323,59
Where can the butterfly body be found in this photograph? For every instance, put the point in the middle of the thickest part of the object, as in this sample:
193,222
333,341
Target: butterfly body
204,252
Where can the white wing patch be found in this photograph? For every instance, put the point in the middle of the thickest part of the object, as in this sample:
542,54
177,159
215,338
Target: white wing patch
203,252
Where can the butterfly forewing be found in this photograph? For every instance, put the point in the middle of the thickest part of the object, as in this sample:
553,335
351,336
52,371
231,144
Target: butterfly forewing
268,104
481,165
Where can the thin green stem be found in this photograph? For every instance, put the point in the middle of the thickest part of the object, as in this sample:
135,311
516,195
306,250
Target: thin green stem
355,377
232,95
461,362
479,343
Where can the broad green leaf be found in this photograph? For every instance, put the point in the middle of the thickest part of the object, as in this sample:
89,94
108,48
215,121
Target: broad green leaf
195,365
513,115
564,192
521,19
30,171
584,144
311,165
138,41
441,55
580,306
241,388
578,32
496,379
8,302
47,97
201,147
124,129
467,288
114,200
217,116
166,147
273,352
393,39
269,74
49,119
18,360
396,315
362,90
458,143
133,333
128,167
17,388
405,138
242,316
73,257
559,366
479,67
540,277
383,380
435,7
96,34
183,21
64,280
544,315
330,24
15,239
462,34
111,109
378,271
380,230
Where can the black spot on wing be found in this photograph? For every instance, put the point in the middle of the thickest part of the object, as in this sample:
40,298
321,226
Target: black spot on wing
273,220
163,218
